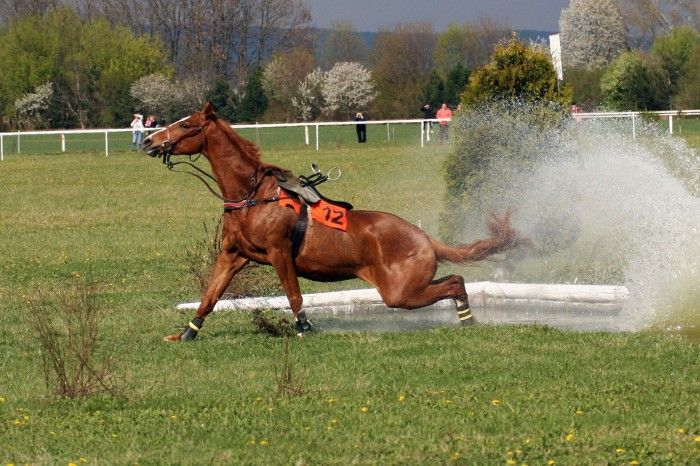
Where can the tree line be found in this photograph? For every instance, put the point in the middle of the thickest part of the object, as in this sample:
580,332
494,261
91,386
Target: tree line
80,63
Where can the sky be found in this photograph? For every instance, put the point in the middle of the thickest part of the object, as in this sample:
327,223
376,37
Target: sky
369,15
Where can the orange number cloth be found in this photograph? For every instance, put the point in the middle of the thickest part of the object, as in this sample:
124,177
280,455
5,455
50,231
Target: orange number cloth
323,212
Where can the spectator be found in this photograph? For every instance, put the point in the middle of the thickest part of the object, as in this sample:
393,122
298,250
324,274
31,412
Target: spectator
428,114
575,109
150,121
137,125
361,128
444,114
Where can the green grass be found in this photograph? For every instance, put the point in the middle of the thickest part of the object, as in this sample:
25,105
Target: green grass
483,395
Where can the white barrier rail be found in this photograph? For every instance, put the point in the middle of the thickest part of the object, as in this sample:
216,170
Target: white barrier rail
421,133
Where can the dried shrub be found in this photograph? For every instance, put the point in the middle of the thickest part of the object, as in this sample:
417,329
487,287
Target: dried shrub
67,326
289,384
272,323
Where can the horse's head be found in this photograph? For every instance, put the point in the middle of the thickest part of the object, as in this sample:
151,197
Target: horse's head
184,137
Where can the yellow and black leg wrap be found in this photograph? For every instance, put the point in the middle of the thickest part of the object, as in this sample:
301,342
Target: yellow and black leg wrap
192,329
464,313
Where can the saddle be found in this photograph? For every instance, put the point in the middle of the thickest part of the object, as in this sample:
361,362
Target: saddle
305,186
309,198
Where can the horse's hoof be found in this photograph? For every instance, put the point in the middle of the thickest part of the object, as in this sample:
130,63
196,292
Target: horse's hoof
172,338
465,315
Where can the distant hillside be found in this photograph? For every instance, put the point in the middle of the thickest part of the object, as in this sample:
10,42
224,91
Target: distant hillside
369,37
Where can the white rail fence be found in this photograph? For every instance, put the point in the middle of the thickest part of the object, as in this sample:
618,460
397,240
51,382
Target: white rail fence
421,134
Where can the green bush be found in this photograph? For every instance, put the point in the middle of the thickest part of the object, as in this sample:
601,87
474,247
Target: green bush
633,82
516,71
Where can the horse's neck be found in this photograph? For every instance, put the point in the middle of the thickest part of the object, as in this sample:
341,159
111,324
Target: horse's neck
235,173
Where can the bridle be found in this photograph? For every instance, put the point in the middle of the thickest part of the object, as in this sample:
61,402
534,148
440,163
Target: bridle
166,147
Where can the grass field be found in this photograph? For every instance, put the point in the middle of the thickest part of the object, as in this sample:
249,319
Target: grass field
482,395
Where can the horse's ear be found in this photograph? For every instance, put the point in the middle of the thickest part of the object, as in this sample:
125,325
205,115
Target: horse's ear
208,111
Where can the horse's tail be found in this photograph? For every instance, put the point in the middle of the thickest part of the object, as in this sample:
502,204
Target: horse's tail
502,238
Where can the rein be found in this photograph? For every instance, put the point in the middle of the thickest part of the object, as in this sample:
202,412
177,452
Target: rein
229,204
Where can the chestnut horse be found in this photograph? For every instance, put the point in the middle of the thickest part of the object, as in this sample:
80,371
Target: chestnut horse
398,258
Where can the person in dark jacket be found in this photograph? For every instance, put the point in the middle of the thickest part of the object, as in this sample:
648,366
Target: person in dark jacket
360,127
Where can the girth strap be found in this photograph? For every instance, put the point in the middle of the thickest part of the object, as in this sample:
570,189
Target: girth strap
300,230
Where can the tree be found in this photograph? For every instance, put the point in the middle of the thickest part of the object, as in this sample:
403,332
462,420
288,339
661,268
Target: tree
674,50
402,63
308,102
342,44
253,103
516,72
282,75
585,84
33,108
167,98
90,64
592,33
223,98
633,82
457,80
347,87
689,86
647,19
469,45
434,91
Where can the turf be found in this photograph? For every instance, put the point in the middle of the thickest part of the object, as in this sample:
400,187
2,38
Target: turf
482,395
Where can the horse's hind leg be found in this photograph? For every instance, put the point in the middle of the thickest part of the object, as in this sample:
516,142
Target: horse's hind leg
412,296
226,266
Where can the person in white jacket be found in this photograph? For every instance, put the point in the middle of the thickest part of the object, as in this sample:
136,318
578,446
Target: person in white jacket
137,125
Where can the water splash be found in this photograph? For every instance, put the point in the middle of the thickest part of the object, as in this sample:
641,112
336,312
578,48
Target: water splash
602,207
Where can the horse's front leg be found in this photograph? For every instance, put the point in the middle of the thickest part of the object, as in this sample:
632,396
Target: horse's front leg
225,267
286,272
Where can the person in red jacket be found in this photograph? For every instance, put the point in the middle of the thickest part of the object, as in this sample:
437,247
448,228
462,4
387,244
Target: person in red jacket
444,114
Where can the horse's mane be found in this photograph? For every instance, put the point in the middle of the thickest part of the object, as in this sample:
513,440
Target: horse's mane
247,148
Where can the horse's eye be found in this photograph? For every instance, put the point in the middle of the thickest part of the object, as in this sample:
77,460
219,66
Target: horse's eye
184,125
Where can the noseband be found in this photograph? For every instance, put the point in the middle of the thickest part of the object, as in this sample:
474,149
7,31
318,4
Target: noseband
167,146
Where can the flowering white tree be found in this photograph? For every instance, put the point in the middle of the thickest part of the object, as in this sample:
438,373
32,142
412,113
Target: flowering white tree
308,100
32,108
592,33
347,86
166,98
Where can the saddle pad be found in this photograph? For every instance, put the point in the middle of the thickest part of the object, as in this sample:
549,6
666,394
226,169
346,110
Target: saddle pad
325,213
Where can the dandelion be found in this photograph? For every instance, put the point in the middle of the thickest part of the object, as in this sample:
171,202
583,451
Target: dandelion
83,459
173,417
251,441
72,464
511,461
619,450
259,398
455,455
402,397
264,442
697,438
569,437
495,402
334,421
551,463
680,430
307,429
634,463
364,409
332,400
579,412
2,399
